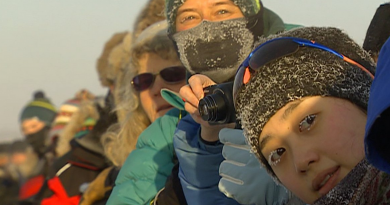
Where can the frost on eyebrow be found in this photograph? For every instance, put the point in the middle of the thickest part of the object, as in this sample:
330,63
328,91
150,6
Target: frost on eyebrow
291,107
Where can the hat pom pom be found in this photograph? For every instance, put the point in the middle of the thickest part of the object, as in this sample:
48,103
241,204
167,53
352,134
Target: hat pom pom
39,94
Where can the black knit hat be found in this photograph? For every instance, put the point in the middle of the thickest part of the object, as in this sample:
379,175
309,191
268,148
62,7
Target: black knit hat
307,72
378,31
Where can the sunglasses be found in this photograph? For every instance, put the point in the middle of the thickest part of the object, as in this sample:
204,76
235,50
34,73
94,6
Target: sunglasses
275,49
170,75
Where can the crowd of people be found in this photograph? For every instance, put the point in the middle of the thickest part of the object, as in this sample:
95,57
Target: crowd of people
310,115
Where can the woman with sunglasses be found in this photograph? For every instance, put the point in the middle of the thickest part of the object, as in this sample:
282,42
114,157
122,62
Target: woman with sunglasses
148,129
304,113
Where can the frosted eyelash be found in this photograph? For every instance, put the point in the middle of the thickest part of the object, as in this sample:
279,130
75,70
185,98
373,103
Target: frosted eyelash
270,162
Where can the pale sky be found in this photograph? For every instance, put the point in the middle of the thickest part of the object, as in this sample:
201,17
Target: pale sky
53,45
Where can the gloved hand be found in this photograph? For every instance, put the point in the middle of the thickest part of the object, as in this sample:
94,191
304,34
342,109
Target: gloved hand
243,178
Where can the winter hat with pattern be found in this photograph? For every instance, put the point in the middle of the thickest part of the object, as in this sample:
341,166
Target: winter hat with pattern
247,7
88,125
307,72
39,107
66,111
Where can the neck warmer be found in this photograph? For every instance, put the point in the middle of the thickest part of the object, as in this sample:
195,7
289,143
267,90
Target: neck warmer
215,49
37,140
362,186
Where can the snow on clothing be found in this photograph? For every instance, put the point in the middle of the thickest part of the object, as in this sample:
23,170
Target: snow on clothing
147,167
377,138
364,185
199,172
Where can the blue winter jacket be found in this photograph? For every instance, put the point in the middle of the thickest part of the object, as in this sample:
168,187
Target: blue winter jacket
147,167
199,162
377,139
199,165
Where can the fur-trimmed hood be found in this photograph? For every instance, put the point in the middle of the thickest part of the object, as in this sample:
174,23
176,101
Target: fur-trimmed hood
102,62
119,60
150,14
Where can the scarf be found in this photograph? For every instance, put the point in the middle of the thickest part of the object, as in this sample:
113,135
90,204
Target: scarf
364,185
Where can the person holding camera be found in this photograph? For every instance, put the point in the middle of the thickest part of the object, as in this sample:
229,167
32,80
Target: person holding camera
213,37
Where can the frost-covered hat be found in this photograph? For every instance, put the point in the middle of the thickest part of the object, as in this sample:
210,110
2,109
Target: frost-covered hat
247,7
307,72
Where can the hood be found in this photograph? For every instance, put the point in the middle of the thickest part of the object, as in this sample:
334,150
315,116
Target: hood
377,138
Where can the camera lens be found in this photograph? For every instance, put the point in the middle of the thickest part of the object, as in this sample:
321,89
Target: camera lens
217,106
212,108
206,109
203,110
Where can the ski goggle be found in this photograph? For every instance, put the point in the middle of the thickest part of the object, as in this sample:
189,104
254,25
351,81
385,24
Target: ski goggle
275,49
170,75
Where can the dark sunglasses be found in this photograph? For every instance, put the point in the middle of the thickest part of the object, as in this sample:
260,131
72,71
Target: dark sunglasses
170,75
275,49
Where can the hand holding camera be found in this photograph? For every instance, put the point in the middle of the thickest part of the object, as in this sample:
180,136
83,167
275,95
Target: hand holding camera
192,94
217,106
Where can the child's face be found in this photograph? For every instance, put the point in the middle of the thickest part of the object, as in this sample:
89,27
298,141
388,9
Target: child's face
313,143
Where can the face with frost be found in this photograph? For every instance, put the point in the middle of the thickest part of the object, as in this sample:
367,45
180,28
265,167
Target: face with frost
192,12
311,144
212,37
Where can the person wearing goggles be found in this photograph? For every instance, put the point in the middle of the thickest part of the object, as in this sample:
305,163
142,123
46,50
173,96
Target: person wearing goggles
303,110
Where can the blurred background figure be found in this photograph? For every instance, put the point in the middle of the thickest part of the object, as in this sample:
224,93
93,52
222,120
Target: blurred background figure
35,121
4,159
21,167
8,185
70,120
99,190
80,153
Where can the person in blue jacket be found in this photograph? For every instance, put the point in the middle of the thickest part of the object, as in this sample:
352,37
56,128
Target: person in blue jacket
212,38
377,139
